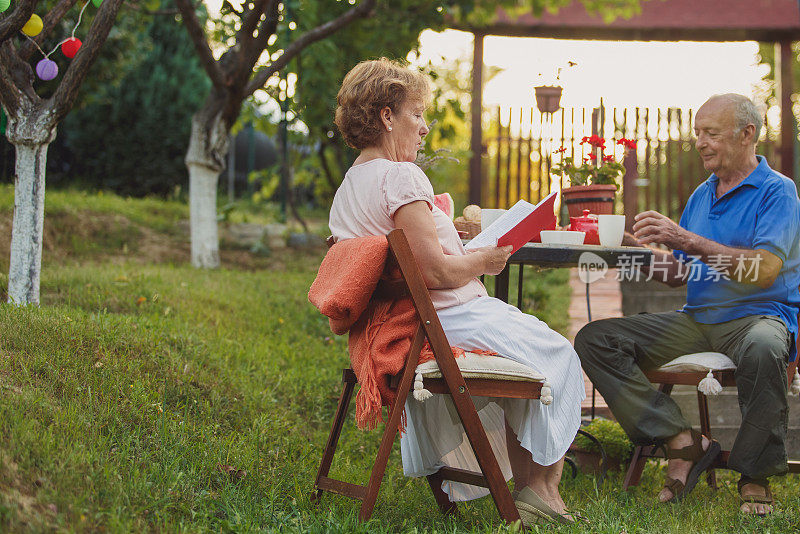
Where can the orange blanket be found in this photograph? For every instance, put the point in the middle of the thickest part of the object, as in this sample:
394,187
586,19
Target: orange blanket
380,332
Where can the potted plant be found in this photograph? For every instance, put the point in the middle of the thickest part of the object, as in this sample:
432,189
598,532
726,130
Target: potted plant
548,97
593,182
618,448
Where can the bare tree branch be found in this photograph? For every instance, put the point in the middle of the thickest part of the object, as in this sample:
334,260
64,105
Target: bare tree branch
50,20
198,37
320,32
19,78
67,90
12,23
250,53
10,95
252,17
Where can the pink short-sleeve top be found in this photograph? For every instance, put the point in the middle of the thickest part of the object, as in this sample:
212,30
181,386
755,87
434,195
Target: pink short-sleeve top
367,200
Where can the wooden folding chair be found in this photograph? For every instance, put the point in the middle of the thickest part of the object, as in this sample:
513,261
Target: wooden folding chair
667,380
460,386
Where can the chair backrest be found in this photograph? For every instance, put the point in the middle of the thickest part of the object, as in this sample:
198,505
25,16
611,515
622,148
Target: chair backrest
411,283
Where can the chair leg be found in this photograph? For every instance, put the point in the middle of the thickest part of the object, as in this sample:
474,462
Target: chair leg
479,442
640,454
447,506
635,468
705,429
390,432
336,430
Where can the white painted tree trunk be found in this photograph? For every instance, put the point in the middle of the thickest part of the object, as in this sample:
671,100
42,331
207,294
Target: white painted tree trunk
205,158
27,230
31,131
203,216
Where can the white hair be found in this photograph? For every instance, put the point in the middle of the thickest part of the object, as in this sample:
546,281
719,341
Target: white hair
745,112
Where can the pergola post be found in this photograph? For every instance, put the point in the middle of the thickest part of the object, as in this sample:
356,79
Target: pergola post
788,134
476,109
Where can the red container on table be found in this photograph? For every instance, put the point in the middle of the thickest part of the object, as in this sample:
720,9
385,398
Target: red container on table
588,224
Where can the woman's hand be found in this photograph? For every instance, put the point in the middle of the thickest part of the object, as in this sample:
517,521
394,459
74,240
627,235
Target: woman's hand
440,270
495,258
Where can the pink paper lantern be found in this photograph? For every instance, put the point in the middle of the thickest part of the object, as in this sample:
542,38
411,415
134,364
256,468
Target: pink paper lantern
71,46
46,69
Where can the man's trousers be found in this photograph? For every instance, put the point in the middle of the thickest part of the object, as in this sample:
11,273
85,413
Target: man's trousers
615,352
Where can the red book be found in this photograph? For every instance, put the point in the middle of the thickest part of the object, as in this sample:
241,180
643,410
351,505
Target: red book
519,225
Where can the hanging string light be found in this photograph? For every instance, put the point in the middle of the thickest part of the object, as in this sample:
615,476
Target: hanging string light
70,47
33,27
47,69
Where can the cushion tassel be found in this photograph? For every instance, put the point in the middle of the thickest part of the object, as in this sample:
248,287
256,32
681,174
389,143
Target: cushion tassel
546,394
709,385
794,389
420,393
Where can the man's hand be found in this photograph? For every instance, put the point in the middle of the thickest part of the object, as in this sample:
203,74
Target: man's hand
652,227
629,241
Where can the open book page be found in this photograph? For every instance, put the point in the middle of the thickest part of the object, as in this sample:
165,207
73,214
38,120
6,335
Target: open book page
489,236
509,220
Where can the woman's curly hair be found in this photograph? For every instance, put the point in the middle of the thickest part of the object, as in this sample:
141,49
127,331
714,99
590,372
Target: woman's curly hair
369,87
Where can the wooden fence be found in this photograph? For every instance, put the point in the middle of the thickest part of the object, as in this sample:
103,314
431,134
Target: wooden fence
661,173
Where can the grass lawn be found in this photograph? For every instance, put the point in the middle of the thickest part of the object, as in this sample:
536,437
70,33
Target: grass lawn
145,395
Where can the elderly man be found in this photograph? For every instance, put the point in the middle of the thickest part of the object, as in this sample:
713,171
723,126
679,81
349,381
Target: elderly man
736,248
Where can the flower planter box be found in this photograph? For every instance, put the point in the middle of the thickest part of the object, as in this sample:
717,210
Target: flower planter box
598,199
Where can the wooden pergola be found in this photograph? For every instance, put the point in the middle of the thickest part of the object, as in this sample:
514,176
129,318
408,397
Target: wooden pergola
773,21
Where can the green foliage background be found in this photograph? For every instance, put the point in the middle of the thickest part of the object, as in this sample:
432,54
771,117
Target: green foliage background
132,135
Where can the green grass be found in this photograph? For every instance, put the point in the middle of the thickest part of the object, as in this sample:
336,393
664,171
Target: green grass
125,393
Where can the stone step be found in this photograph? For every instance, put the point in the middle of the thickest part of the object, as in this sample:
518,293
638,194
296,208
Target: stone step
726,417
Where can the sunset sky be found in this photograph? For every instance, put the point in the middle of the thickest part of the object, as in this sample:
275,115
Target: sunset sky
680,74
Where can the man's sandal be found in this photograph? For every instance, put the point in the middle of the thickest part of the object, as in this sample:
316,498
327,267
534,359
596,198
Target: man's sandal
701,459
755,499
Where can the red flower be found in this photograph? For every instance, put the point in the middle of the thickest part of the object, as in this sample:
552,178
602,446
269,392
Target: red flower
609,158
594,140
561,150
630,144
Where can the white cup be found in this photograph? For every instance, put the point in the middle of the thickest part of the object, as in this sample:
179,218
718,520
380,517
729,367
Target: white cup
488,216
611,229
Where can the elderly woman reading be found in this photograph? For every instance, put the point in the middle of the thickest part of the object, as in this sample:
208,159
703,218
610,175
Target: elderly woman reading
380,112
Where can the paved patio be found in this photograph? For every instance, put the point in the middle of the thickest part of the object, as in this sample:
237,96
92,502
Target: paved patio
606,301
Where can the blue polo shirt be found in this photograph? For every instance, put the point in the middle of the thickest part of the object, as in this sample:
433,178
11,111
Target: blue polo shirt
761,212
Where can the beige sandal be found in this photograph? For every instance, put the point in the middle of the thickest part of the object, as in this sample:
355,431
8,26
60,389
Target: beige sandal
533,509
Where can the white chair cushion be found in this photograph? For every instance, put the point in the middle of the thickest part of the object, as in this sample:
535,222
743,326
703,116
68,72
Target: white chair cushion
480,366
699,361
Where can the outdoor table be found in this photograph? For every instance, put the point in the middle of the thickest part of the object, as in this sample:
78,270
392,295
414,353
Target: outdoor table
553,256
547,255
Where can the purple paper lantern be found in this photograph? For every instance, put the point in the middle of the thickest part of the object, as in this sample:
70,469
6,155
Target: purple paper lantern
46,69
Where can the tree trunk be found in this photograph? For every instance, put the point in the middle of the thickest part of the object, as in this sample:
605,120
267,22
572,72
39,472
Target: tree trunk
31,132
205,159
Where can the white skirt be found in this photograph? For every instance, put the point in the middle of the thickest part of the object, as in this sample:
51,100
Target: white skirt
434,437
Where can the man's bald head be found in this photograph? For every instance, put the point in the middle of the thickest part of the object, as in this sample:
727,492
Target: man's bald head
743,110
